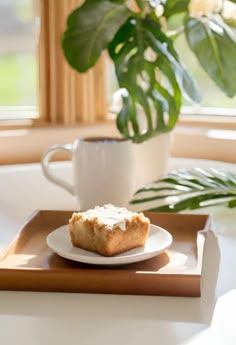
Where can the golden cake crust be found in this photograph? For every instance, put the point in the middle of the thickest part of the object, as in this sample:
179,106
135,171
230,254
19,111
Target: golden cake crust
108,230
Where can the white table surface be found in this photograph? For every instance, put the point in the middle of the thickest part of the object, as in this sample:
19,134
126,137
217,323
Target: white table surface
33,318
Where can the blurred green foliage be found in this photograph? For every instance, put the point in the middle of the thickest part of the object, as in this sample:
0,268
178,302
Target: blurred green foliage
18,85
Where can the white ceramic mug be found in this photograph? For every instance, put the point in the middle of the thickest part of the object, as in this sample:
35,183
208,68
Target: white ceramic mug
103,170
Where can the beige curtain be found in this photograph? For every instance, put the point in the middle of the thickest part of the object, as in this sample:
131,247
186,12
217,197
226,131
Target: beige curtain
67,97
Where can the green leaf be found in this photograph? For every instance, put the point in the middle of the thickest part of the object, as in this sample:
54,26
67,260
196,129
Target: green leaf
153,189
138,76
151,198
185,182
122,119
154,84
189,189
214,45
132,111
90,29
164,46
196,203
141,4
232,203
174,106
173,7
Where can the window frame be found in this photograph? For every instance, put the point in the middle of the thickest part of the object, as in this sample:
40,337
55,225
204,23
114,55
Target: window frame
67,130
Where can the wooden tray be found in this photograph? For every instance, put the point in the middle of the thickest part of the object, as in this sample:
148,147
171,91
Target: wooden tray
29,264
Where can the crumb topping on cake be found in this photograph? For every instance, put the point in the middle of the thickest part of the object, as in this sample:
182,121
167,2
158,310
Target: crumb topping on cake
108,230
110,215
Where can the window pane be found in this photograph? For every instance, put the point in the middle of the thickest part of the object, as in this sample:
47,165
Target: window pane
18,63
214,101
212,96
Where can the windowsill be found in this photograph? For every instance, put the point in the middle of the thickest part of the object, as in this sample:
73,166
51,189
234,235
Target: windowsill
206,143
27,145
208,121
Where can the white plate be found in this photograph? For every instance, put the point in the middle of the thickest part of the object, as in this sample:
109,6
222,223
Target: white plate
157,242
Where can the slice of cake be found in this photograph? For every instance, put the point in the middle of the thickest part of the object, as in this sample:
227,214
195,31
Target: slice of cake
108,230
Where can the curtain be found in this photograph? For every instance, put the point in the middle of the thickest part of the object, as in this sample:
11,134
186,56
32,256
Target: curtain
67,97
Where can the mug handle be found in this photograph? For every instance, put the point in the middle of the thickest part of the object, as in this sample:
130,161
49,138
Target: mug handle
45,162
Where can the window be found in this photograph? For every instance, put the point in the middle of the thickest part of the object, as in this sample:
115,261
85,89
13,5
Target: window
214,101
68,103
63,93
36,81
58,102
18,94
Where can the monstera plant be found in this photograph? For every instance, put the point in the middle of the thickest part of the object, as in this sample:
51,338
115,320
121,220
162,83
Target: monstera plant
188,189
148,67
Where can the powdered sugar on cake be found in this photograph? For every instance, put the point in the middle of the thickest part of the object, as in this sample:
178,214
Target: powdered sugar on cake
108,230
110,215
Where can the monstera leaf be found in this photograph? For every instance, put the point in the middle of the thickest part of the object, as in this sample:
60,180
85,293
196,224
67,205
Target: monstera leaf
90,28
173,7
189,189
214,45
151,76
149,70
